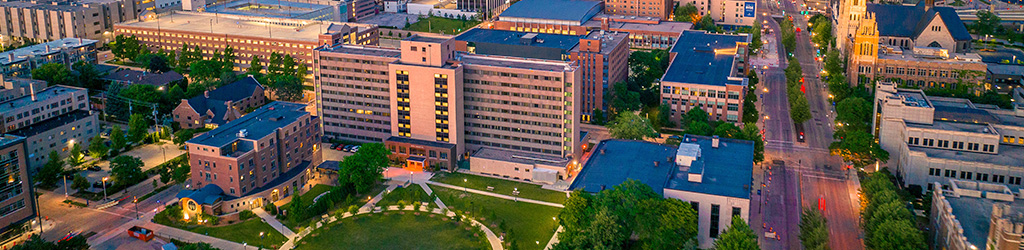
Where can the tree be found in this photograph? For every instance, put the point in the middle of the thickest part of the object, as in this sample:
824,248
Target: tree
727,130
898,235
182,136
699,128
623,99
755,40
205,71
138,127
686,13
53,74
285,87
822,32
35,242
181,173
987,23
198,246
799,110
117,139
859,148
667,224
255,67
176,93
126,171
363,169
153,62
706,23
854,111
752,133
665,117
86,75
597,117
127,47
630,126
51,170
75,156
97,148
813,230
695,115
738,236
79,182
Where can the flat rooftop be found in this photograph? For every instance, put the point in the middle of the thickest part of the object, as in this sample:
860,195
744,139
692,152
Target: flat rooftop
267,8
8,139
42,49
1009,155
624,160
513,62
704,58
663,26
256,27
363,50
429,39
975,215
980,128
913,98
728,169
519,157
478,35
42,95
565,10
258,124
52,123
609,40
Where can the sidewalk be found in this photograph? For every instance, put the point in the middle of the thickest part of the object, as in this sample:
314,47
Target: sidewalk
507,197
274,223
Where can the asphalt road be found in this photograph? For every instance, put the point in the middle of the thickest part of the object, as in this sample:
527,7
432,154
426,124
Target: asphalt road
809,175
67,218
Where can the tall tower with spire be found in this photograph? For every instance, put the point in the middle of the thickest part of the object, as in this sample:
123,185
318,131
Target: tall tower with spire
848,18
864,50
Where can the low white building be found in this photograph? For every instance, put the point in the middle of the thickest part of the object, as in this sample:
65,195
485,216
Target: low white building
970,215
714,175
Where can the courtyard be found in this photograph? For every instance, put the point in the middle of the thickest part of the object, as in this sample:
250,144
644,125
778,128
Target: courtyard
395,230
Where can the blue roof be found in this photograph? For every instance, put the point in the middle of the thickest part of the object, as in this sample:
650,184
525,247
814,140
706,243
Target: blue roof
623,160
477,35
913,19
728,169
209,194
696,62
567,10
258,124
234,92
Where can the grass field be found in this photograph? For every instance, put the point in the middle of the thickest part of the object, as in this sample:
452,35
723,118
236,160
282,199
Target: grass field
442,25
407,194
529,191
531,225
245,232
307,198
394,231
357,200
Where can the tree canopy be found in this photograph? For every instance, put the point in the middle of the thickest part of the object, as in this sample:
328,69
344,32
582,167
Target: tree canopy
53,74
364,168
629,125
127,47
37,243
738,236
126,171
686,13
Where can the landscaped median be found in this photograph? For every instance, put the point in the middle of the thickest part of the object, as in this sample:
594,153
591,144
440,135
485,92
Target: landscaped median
251,230
499,186
527,225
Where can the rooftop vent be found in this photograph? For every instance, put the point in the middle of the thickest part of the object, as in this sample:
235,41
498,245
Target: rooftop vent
243,133
714,141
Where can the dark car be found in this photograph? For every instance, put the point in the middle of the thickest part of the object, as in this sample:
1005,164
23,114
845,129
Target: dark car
333,146
348,148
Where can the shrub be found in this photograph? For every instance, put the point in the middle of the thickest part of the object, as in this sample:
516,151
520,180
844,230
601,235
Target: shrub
246,214
353,209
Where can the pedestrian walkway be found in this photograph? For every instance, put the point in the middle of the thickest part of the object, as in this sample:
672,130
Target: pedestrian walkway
281,228
507,197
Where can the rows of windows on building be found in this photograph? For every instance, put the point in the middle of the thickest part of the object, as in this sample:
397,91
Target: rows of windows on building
714,221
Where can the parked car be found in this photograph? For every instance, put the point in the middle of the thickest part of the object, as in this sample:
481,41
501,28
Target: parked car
333,146
356,149
340,147
348,148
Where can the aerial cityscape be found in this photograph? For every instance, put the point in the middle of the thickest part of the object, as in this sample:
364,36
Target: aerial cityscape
512,124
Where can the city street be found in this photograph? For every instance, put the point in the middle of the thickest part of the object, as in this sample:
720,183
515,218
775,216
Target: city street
810,176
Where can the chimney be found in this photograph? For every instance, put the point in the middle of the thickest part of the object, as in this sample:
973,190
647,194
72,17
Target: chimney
243,133
714,141
602,151
31,89
655,163
206,94
928,4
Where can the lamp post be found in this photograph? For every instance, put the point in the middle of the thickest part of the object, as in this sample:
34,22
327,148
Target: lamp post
65,187
136,201
105,188
261,240
515,194
464,188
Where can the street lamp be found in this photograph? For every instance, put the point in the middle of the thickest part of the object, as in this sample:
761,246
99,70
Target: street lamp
515,194
464,188
261,240
105,188
136,201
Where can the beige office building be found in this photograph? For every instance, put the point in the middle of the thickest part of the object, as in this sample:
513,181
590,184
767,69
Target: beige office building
48,20
434,105
931,139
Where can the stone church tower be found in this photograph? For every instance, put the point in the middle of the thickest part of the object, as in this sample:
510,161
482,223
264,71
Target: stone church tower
848,18
863,50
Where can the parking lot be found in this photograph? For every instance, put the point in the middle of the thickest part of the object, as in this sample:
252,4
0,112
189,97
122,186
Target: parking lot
331,154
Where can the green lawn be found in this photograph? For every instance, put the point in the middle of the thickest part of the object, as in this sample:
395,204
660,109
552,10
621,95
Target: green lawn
407,194
307,198
532,225
394,231
358,200
442,25
529,191
245,232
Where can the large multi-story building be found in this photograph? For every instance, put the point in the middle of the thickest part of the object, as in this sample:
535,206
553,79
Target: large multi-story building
713,174
363,8
261,157
17,205
248,35
602,56
661,9
52,119
315,10
20,62
48,20
17,87
219,106
931,139
969,215
481,6
708,71
644,33
730,13
432,96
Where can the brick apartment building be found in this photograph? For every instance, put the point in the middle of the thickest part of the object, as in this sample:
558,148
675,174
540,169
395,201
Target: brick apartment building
52,119
219,106
49,20
426,100
708,71
248,35
603,57
261,157
17,206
